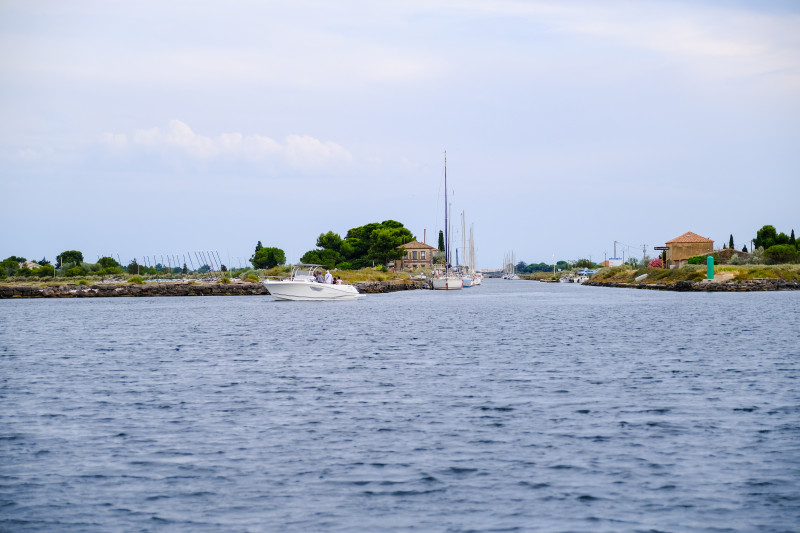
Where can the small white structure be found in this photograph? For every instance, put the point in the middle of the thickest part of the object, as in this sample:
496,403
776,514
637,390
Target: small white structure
614,262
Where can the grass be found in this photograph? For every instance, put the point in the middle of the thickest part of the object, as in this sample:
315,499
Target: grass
626,274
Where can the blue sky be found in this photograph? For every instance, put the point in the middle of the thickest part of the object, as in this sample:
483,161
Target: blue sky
153,128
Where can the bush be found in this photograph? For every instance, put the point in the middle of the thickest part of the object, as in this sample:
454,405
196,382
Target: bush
224,279
656,263
75,272
83,282
779,254
252,278
698,260
137,280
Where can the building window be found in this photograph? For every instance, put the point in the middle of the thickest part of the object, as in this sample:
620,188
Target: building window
414,254
422,255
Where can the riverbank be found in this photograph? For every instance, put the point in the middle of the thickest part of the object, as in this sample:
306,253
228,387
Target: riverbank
706,285
727,278
177,288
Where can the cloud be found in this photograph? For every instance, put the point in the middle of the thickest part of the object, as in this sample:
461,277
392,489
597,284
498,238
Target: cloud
298,151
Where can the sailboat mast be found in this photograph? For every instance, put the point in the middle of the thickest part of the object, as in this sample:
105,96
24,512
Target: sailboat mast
446,227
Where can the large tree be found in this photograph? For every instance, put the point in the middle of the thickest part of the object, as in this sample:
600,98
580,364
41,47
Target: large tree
268,257
69,256
765,237
441,241
374,242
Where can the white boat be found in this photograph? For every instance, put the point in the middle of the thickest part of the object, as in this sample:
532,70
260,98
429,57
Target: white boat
445,278
302,285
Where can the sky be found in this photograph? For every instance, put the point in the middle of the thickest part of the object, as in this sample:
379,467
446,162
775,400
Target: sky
153,128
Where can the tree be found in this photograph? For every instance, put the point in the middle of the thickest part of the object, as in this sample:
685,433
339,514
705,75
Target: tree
744,248
730,242
383,247
69,256
791,240
185,269
268,257
108,262
133,267
329,241
441,241
765,237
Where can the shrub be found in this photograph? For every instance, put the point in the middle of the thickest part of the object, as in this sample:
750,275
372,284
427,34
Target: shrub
224,279
778,254
656,263
137,280
252,278
83,282
74,272
756,257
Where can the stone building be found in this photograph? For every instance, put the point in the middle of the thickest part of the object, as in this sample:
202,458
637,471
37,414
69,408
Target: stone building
418,255
680,249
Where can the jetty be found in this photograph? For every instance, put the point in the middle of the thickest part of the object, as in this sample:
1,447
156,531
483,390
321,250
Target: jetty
178,288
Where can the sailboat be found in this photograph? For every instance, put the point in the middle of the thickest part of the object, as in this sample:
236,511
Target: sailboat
446,279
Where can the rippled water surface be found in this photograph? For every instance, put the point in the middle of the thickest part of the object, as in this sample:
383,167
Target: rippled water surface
514,406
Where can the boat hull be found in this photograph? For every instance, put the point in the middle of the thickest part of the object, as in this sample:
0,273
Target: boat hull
310,291
447,284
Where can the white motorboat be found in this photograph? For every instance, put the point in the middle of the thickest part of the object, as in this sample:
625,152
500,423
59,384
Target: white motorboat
302,285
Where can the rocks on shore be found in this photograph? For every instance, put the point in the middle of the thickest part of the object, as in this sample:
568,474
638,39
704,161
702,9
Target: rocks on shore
131,289
179,288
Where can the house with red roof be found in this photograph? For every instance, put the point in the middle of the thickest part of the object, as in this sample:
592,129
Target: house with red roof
681,248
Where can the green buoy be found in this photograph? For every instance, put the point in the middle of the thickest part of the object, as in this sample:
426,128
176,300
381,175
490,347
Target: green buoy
710,267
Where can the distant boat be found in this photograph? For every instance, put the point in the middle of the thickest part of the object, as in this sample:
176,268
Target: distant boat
301,285
445,278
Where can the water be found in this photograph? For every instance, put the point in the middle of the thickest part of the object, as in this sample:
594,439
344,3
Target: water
514,406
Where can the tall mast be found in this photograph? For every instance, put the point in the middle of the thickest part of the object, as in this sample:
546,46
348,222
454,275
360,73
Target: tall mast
446,227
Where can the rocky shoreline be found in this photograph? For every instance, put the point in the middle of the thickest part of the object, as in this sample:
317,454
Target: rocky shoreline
706,285
180,288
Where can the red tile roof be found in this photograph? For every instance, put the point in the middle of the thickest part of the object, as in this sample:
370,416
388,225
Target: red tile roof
689,237
417,245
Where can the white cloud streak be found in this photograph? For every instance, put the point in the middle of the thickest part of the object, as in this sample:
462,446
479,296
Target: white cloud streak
300,151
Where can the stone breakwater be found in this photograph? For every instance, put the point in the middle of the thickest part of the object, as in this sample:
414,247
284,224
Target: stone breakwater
131,289
104,290
372,287
707,285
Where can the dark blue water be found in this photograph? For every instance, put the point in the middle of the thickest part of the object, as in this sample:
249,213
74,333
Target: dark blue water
515,406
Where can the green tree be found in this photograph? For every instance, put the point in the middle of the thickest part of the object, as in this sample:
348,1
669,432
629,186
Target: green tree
791,239
765,237
268,257
781,253
383,247
441,241
730,242
744,248
10,265
70,256
258,247
329,241
108,262
327,258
